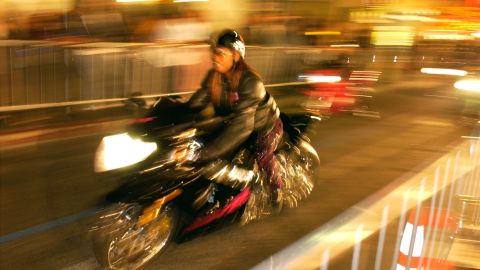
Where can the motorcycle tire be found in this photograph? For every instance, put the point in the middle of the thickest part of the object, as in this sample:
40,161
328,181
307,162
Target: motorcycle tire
119,243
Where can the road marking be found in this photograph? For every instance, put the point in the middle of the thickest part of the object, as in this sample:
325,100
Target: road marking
47,226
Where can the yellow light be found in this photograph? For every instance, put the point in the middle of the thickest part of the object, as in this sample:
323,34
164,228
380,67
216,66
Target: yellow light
394,35
136,1
410,18
345,46
323,33
444,71
447,35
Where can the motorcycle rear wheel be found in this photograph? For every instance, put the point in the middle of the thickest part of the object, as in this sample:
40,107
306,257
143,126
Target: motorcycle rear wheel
124,245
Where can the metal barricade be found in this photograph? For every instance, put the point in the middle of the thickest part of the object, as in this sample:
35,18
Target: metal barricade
20,74
428,221
49,73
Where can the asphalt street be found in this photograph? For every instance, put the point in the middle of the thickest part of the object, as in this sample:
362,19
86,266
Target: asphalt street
48,189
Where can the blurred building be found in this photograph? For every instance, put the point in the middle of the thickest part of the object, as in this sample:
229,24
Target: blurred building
277,21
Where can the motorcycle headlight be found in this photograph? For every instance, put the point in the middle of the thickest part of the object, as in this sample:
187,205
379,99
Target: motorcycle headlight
121,150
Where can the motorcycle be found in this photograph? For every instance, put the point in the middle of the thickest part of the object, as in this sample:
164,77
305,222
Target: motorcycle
163,197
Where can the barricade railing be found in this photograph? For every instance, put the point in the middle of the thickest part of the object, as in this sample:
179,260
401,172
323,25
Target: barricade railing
40,72
426,221
43,72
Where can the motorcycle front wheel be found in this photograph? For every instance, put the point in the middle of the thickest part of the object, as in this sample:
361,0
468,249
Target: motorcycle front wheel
119,243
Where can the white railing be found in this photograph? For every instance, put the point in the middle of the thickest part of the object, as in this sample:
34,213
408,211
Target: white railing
41,72
414,223
33,73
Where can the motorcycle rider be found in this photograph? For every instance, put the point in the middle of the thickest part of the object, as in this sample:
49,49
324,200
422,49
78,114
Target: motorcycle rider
235,89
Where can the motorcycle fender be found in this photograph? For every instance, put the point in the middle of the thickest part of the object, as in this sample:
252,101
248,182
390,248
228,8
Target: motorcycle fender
151,212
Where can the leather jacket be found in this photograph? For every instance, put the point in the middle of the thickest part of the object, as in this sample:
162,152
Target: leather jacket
253,113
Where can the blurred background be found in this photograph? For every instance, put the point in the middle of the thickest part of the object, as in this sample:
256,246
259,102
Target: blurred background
396,83
60,51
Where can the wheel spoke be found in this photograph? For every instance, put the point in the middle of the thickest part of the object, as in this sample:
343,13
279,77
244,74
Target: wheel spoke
135,247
